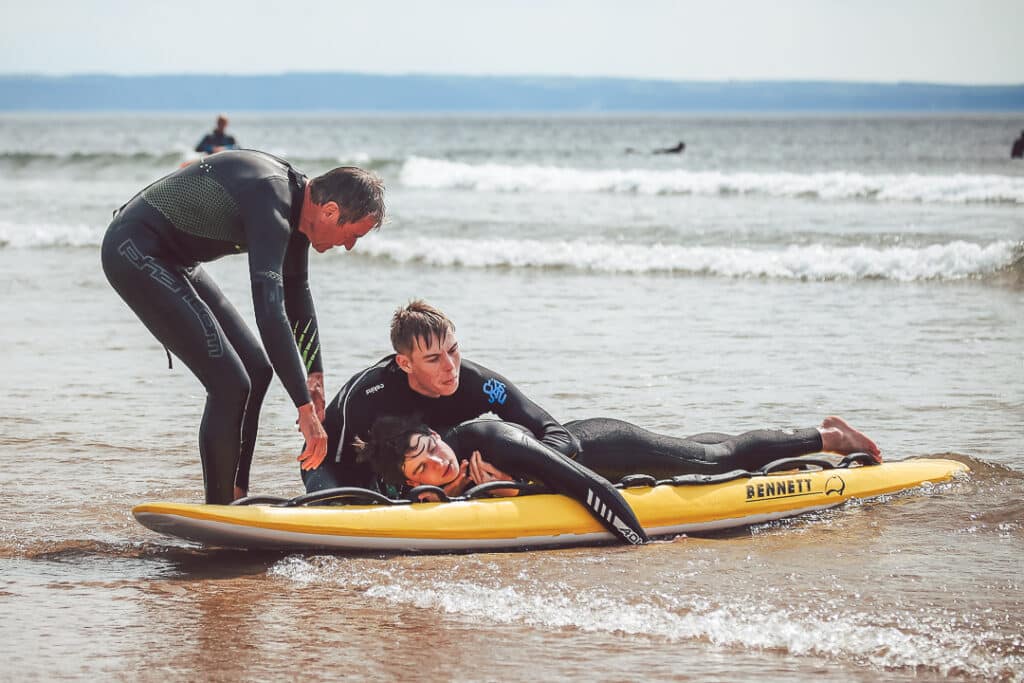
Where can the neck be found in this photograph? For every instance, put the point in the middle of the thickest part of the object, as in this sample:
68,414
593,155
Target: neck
420,390
306,213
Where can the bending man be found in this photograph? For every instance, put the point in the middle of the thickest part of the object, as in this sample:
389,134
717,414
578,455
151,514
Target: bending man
236,202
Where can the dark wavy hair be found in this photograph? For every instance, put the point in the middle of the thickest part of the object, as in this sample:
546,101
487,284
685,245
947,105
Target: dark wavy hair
387,443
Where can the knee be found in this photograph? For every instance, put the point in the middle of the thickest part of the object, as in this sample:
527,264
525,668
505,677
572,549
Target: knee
234,391
260,378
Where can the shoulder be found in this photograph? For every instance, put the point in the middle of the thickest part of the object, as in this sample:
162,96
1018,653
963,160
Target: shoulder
373,379
483,383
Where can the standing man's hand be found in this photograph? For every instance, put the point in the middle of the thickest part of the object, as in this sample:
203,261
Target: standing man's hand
315,436
315,384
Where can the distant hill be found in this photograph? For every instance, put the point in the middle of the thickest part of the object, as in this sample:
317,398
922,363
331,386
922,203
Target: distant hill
425,93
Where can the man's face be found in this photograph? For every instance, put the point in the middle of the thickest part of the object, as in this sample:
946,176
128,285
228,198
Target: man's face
430,461
433,365
327,232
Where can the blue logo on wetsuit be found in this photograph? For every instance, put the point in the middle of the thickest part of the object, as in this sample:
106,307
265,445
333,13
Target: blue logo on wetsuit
495,391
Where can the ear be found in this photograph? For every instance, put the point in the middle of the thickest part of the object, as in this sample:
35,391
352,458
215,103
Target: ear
403,362
330,211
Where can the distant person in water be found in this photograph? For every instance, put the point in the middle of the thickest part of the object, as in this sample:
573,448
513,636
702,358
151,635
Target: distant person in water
1017,152
218,140
678,149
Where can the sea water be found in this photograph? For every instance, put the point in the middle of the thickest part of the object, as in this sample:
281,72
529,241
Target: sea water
783,268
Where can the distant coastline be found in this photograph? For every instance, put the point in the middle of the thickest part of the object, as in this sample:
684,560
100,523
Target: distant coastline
439,93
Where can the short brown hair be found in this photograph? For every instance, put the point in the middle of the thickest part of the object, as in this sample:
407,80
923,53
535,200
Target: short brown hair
358,193
418,320
387,443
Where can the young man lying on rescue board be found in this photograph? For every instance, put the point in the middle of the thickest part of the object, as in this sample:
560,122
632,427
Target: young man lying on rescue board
428,376
404,451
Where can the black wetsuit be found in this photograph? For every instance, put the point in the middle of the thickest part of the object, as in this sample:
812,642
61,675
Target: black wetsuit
612,449
615,449
383,388
229,203
216,139
511,449
1017,150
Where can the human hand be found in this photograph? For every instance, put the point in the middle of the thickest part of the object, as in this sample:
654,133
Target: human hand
315,436
482,472
315,384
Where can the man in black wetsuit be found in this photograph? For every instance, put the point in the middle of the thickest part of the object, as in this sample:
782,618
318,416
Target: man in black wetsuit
428,376
218,140
230,203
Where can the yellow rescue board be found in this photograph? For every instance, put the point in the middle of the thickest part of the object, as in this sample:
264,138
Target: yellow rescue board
534,520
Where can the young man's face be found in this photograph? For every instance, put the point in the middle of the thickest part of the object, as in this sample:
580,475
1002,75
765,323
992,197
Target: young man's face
433,366
430,461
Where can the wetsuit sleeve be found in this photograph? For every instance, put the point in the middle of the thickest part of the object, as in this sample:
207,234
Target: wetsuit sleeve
504,399
265,217
515,451
298,303
349,414
206,144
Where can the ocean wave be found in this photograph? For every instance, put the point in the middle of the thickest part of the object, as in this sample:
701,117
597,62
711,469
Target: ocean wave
13,235
166,160
951,261
919,642
838,185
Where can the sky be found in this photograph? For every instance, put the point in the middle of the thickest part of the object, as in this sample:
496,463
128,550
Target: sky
975,42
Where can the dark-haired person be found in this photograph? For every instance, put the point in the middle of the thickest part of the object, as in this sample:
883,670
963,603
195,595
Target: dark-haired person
230,203
428,376
1017,150
404,451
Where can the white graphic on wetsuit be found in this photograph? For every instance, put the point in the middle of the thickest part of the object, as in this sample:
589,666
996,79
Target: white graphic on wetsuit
495,391
605,513
214,347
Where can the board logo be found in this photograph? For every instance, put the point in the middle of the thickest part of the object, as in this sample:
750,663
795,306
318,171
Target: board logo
835,484
780,488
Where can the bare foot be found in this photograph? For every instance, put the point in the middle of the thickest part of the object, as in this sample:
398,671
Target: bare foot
839,437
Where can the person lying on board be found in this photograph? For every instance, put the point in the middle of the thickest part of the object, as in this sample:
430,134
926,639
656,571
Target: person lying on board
403,451
428,376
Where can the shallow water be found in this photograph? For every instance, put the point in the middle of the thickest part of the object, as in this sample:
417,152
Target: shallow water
656,302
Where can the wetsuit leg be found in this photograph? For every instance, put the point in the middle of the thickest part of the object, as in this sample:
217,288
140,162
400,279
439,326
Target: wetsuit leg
253,357
154,284
615,449
511,449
